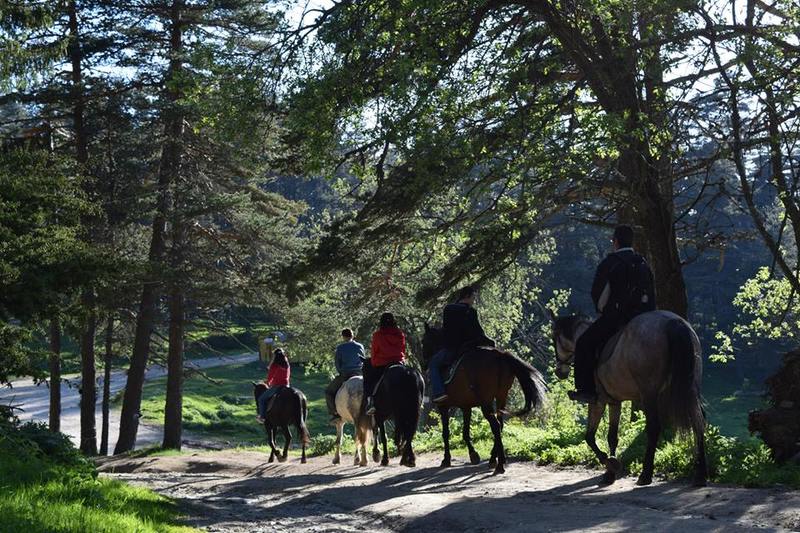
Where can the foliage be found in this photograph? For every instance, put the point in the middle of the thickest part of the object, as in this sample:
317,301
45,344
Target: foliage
47,486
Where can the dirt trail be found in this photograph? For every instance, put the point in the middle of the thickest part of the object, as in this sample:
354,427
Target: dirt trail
239,491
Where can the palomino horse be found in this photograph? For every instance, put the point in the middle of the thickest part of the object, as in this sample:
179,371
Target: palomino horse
398,396
483,380
289,408
655,362
349,405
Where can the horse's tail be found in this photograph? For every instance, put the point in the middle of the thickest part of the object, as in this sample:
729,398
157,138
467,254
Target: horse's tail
531,382
683,407
302,414
407,413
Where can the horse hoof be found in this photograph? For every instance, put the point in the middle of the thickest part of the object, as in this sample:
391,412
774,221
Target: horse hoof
608,478
499,469
376,457
474,458
271,460
384,462
492,462
303,461
362,463
445,463
614,466
644,480
699,482
336,460
282,458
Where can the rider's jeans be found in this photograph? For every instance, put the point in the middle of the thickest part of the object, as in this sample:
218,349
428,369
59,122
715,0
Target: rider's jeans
263,400
441,359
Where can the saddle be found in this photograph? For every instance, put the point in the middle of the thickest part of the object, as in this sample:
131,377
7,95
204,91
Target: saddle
271,401
450,373
380,380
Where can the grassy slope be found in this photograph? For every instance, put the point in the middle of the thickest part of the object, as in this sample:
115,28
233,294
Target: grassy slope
48,487
225,412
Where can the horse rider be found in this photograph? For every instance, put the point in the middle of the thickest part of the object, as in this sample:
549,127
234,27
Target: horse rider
461,331
277,377
388,348
349,359
622,289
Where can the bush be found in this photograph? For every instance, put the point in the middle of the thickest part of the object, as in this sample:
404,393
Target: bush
47,485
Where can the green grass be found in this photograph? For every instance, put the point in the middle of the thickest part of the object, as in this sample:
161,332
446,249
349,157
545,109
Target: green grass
224,409
46,486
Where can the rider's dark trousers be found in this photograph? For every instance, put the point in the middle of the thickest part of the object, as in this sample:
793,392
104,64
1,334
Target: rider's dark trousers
333,388
588,346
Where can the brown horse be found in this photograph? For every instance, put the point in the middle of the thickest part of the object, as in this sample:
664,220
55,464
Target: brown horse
483,380
289,408
655,362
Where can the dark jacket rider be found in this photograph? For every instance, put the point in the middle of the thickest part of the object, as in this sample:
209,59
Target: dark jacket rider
622,289
461,331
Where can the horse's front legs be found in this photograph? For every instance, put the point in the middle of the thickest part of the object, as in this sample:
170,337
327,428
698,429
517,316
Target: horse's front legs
444,412
474,458
382,431
498,448
613,466
596,411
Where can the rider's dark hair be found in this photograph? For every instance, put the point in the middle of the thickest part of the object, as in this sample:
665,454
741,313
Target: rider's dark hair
466,292
624,236
347,333
388,321
279,358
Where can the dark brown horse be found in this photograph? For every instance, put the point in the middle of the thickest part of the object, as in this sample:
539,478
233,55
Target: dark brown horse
398,397
289,408
655,362
483,380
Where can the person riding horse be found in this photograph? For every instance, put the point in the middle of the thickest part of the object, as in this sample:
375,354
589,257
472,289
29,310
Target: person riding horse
388,348
277,377
622,289
349,359
461,331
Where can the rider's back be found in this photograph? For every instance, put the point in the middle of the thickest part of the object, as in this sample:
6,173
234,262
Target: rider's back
461,328
624,286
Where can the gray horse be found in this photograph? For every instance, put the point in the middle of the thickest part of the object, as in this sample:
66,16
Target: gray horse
655,362
349,406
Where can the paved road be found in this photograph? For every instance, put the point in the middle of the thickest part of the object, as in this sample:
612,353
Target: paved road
34,399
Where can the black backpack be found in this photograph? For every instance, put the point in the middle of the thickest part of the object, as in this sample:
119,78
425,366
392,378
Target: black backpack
634,293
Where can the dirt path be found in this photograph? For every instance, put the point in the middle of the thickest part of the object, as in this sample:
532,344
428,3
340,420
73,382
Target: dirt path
239,491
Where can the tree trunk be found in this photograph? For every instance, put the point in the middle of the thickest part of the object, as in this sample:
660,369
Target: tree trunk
88,384
55,375
107,385
173,408
168,168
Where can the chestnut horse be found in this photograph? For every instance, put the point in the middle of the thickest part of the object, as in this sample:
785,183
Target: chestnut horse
483,380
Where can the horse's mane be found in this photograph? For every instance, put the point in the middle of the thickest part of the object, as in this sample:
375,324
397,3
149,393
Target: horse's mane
569,324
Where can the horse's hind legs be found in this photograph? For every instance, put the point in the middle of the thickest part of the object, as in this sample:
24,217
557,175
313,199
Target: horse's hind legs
497,449
653,428
474,458
337,457
700,468
287,441
444,412
385,458
271,442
